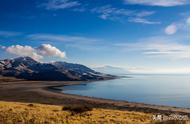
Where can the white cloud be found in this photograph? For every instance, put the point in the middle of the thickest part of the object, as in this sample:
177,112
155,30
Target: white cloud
161,48
61,4
108,12
2,47
143,21
23,51
171,29
9,33
171,50
145,13
188,21
164,3
35,53
105,12
49,50
61,38
183,25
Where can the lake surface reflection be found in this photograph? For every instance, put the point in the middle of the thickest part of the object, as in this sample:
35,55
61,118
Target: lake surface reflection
172,90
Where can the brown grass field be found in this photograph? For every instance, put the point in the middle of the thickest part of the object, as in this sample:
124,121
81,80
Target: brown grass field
20,113
30,113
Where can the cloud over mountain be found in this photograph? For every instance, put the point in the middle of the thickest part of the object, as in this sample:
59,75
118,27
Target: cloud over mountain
35,53
49,50
23,51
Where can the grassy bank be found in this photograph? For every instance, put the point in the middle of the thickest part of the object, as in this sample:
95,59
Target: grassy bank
25,113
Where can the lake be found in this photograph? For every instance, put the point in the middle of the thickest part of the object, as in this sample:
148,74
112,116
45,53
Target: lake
172,90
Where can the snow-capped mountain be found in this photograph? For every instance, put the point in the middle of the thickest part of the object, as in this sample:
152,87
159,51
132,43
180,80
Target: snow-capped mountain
28,68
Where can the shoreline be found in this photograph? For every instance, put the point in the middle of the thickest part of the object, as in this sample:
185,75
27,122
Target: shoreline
44,92
137,105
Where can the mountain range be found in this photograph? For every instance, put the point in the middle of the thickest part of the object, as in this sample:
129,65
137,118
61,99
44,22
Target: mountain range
30,69
112,70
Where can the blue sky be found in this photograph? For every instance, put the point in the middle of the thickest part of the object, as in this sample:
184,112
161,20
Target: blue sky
141,36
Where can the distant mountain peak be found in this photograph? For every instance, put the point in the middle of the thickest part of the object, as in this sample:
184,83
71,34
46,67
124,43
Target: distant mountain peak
111,70
25,58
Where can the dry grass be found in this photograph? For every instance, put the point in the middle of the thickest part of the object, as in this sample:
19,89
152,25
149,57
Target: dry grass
172,122
21,113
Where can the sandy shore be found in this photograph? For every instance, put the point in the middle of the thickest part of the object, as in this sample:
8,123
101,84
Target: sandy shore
41,92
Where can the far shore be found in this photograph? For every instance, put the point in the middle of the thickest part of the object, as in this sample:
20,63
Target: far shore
44,92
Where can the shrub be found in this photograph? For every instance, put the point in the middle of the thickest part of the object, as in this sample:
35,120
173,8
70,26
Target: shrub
77,108
31,105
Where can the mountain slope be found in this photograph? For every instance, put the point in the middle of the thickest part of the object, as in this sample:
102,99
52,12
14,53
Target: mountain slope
27,68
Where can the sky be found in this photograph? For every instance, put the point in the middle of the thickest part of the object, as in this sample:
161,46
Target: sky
143,36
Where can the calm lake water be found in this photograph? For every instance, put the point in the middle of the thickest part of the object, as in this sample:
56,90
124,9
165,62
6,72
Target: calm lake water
172,90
